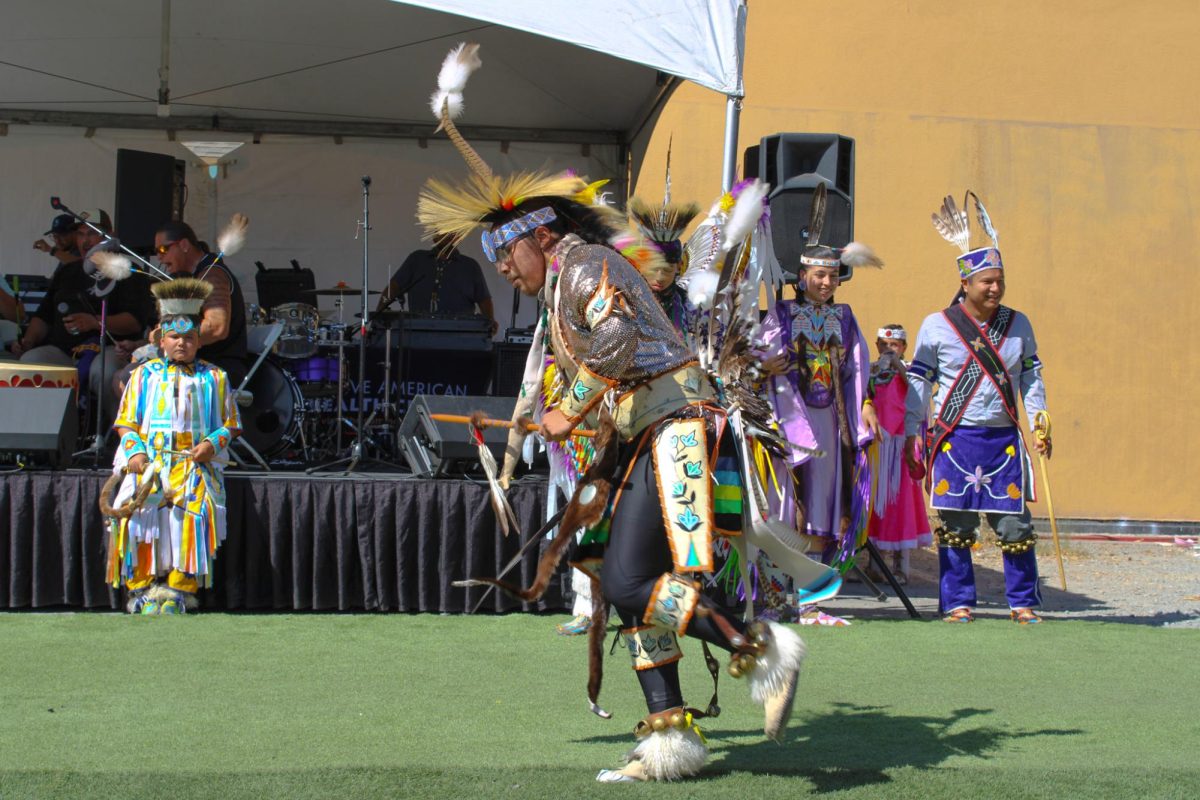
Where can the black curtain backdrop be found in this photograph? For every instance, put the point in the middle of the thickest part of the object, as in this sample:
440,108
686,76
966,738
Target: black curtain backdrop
294,544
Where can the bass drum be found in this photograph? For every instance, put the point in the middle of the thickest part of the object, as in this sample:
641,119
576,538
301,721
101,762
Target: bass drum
271,423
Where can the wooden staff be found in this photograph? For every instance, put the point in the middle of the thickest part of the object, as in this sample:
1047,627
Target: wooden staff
1041,431
484,422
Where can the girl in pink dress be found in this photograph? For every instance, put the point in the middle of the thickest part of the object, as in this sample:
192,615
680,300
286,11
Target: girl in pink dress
898,522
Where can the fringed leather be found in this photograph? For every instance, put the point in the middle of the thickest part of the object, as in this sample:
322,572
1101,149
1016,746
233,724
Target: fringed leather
596,634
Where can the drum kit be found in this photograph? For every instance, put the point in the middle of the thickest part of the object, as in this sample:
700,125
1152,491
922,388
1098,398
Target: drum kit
297,394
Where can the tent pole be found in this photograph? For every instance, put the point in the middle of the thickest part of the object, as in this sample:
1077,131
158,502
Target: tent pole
733,110
164,65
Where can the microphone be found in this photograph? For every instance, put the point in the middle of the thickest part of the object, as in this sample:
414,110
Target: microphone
366,180
56,203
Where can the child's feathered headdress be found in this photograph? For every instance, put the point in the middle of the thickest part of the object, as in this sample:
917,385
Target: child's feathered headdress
182,297
664,226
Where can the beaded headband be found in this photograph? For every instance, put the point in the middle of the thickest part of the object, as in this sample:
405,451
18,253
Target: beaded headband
509,232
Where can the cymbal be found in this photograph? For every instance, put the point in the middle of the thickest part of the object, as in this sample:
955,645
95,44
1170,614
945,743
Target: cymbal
340,289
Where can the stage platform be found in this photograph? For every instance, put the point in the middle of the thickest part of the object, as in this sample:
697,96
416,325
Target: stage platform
363,542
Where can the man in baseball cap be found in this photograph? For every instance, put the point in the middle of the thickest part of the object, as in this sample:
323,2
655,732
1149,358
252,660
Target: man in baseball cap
63,232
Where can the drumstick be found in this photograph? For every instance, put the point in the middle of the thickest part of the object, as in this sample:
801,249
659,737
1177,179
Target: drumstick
460,419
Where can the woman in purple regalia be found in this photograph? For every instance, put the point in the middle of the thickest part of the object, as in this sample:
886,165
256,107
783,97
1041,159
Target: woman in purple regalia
819,363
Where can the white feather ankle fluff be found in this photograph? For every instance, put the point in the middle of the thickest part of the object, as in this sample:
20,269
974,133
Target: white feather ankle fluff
776,667
671,754
774,678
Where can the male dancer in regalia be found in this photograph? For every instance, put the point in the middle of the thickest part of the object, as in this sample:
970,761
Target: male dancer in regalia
979,354
615,350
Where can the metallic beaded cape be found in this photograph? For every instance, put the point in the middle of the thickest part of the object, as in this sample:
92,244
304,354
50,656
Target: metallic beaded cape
632,341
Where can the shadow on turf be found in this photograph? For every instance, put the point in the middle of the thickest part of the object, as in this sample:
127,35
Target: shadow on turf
853,746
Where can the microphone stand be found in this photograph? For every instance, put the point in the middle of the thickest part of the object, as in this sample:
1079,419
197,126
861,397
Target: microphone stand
361,439
57,205
96,448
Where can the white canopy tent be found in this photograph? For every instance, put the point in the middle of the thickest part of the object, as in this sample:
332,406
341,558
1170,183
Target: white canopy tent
322,92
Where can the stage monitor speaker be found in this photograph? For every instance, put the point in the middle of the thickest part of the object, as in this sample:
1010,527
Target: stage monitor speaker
794,163
436,449
41,425
509,367
151,190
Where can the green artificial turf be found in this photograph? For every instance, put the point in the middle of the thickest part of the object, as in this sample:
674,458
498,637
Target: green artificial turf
363,706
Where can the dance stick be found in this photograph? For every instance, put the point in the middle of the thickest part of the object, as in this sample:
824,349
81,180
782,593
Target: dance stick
1041,430
460,419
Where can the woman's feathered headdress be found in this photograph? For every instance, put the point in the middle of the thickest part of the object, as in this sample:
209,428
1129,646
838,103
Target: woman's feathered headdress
815,254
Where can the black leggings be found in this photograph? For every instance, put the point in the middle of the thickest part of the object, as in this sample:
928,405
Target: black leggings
636,557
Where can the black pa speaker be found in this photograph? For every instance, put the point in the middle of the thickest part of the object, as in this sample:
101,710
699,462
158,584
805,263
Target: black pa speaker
41,425
794,163
509,367
150,191
435,449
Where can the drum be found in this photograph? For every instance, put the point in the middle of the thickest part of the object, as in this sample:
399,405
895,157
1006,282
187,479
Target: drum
316,369
333,333
300,323
255,315
272,421
38,376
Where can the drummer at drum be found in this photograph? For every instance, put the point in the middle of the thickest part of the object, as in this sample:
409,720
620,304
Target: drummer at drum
223,317
441,280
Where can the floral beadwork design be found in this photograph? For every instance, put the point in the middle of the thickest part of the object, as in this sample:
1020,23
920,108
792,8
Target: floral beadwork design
679,454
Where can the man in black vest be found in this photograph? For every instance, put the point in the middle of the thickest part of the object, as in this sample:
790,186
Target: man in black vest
223,317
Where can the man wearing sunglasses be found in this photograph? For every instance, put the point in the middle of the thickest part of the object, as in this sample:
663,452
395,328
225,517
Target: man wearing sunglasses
223,317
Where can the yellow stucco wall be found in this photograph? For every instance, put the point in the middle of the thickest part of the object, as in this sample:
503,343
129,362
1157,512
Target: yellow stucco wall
1077,121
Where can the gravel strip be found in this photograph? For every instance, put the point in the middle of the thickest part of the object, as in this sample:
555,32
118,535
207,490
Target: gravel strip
1138,583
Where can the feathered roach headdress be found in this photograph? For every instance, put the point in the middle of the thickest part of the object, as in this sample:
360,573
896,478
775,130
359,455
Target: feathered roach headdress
495,202
815,254
955,227
179,303
664,226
